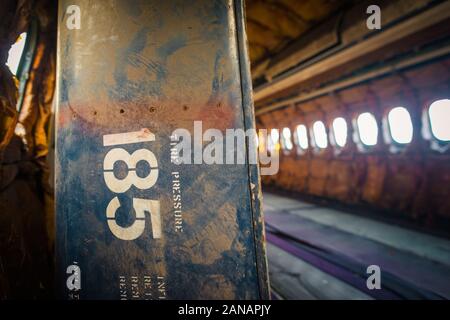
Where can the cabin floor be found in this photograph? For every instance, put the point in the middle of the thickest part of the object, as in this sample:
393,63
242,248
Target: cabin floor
317,252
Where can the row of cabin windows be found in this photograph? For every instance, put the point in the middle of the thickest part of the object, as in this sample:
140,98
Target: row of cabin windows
398,121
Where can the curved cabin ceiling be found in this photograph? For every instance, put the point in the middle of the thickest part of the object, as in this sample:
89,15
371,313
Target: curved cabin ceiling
273,24
303,49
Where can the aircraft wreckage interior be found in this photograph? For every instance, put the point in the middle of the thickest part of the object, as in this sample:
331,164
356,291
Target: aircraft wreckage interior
226,149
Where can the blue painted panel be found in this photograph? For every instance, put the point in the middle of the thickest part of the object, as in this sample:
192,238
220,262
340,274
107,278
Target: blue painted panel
153,67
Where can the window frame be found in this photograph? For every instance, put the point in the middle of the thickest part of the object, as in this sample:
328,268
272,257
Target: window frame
427,131
316,148
300,150
286,151
395,146
271,146
362,147
338,149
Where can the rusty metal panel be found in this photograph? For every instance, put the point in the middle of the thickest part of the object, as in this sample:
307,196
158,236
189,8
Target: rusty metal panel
131,224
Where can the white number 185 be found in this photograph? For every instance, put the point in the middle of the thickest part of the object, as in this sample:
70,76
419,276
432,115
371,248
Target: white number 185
116,185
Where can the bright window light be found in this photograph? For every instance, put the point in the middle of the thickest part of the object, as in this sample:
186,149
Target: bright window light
261,141
400,125
340,131
15,53
368,129
274,140
320,134
439,114
302,136
287,139
274,135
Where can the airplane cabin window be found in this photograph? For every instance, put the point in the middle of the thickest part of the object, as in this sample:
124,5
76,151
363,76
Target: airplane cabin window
340,131
400,125
302,136
439,116
368,129
274,140
320,135
15,53
286,139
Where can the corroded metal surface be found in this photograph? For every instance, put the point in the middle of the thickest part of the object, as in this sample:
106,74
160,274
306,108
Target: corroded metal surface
156,66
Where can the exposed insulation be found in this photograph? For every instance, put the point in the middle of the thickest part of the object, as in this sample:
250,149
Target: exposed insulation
26,205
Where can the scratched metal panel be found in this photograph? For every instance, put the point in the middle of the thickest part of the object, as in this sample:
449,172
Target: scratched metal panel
151,67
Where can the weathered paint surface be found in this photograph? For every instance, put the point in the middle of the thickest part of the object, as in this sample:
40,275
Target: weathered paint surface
155,66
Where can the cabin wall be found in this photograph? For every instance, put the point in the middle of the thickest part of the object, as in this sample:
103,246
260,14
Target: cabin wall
26,196
413,181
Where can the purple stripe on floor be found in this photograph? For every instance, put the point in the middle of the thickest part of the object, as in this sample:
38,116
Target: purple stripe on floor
412,269
340,273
